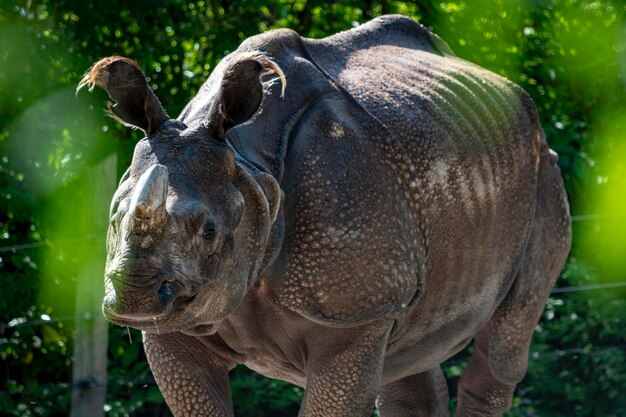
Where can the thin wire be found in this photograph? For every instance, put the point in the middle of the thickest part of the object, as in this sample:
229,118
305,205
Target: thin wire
560,353
13,248
21,246
561,290
580,351
585,217
588,287
555,355
79,385
37,322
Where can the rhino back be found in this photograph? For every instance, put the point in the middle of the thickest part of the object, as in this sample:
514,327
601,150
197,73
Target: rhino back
453,148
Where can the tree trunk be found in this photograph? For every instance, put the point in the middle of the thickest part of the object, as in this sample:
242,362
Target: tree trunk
89,374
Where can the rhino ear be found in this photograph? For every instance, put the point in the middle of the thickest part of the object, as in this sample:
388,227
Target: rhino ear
241,92
136,105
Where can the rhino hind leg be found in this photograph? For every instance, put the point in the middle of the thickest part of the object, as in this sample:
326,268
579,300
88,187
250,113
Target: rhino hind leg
421,395
500,357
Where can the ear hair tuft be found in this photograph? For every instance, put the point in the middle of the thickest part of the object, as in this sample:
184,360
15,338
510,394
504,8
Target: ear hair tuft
99,72
136,105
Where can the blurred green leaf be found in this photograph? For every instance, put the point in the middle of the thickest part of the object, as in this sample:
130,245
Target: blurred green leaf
570,55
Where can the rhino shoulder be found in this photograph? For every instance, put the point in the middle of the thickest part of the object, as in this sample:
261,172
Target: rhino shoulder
348,256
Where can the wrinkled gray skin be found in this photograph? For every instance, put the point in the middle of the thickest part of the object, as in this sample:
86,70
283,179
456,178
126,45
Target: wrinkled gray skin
348,237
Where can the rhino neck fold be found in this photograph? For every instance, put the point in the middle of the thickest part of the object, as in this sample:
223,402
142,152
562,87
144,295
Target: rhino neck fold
267,153
264,140
275,240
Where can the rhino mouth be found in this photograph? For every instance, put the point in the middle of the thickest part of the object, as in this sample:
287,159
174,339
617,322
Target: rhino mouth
152,323
160,324
146,322
155,323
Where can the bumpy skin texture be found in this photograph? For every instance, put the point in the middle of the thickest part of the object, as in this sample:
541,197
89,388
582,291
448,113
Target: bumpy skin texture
395,204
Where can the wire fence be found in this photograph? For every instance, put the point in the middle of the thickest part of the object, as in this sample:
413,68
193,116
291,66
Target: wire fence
555,291
589,287
598,216
32,245
51,389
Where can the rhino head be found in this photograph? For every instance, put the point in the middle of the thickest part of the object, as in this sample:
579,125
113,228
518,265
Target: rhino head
190,225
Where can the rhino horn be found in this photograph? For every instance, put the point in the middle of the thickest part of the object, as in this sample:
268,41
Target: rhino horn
147,205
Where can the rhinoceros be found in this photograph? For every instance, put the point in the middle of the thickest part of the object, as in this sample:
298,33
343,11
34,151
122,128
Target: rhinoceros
342,213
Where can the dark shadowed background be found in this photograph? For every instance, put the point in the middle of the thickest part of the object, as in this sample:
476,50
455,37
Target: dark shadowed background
569,55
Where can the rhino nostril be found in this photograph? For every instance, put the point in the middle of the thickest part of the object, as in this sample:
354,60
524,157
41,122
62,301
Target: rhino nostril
167,292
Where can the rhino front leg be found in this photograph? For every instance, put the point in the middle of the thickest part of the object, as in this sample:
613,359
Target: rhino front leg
345,366
421,395
192,383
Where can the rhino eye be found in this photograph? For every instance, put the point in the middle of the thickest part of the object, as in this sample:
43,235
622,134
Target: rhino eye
208,231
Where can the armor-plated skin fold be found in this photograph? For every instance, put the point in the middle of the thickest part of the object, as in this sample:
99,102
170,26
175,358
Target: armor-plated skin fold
347,231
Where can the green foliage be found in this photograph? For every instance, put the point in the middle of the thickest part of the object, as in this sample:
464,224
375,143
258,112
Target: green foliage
27,351
568,54
252,393
578,355
132,388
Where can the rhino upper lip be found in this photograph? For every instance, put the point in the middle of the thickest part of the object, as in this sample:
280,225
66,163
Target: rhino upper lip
137,322
146,321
